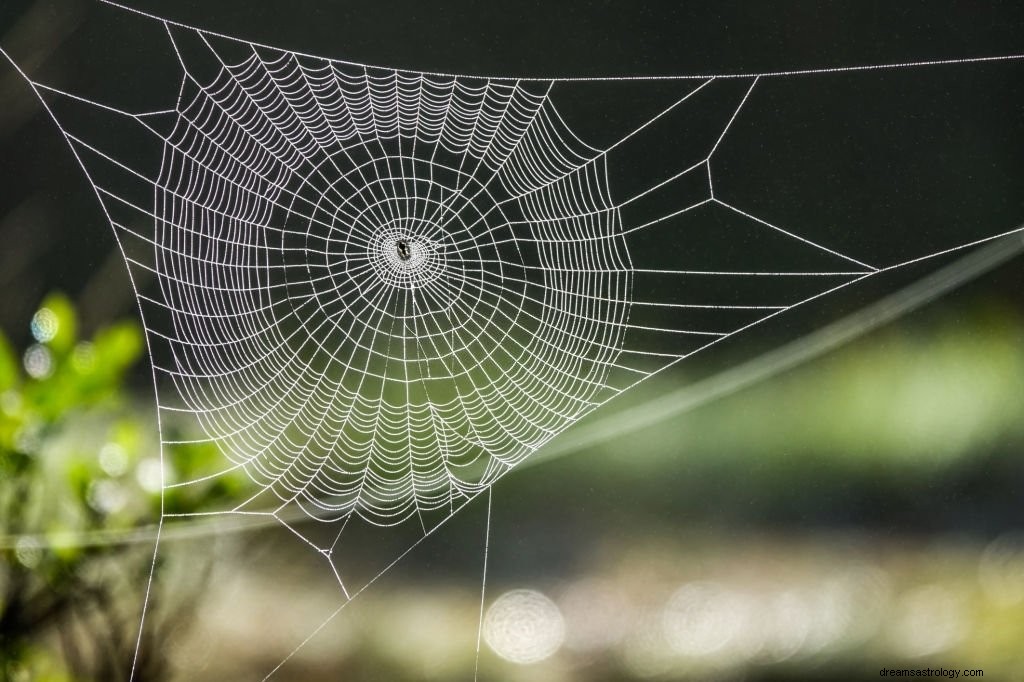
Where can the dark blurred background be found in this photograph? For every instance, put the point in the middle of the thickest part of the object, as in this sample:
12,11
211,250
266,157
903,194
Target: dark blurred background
858,512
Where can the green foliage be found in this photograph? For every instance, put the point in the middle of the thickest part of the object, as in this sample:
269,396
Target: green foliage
79,464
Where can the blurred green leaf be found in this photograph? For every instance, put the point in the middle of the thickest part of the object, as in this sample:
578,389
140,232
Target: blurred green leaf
117,347
9,370
127,434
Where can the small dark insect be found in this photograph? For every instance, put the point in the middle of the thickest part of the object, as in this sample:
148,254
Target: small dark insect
402,247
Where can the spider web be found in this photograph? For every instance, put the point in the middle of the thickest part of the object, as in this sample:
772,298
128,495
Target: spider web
377,291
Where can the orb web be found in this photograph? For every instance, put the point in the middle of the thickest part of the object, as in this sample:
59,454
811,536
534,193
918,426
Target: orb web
395,287
377,291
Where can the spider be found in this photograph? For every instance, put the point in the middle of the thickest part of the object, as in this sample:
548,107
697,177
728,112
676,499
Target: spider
403,249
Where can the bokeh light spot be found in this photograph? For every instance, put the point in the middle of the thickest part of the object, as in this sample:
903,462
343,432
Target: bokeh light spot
524,626
38,361
44,325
